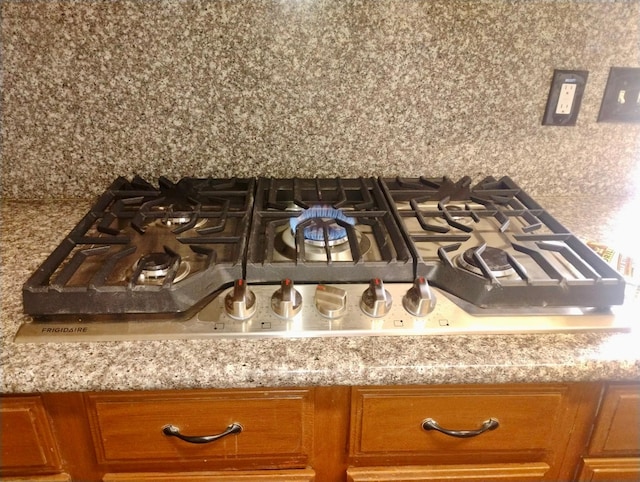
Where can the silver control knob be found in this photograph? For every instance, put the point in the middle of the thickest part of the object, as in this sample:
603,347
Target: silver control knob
240,302
419,301
375,301
331,302
286,301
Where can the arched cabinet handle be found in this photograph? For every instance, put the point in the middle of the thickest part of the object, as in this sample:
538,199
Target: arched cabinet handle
431,424
173,431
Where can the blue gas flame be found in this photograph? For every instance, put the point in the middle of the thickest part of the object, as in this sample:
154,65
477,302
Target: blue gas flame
323,216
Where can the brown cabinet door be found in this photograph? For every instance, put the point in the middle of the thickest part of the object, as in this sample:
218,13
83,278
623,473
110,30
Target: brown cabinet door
617,430
610,469
28,444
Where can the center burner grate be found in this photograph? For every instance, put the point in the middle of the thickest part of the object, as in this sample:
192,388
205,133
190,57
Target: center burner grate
325,230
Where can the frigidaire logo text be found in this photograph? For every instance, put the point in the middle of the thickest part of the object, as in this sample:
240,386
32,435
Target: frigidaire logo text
79,329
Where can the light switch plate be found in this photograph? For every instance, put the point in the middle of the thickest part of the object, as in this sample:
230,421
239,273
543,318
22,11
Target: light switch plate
621,100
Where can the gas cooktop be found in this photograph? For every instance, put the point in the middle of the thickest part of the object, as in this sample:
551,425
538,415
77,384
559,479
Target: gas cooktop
206,257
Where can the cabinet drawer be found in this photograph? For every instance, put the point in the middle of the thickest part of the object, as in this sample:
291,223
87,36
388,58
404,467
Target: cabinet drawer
276,427
28,444
388,422
617,430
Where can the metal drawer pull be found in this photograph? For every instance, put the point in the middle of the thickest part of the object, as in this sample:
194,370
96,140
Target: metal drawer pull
173,431
431,424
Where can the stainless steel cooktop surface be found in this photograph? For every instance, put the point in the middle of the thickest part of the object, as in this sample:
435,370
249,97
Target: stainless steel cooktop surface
206,258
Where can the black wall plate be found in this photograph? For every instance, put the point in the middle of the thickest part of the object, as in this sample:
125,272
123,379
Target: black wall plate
621,100
565,97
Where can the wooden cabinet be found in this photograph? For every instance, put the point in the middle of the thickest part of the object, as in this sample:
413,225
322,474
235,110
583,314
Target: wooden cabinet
119,436
512,433
614,450
516,432
28,444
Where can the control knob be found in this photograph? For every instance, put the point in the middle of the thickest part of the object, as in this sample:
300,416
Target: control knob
375,301
286,301
419,301
240,302
331,302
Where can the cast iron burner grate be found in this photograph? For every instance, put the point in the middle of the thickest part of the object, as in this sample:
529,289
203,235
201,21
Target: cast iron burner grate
147,249
325,230
542,263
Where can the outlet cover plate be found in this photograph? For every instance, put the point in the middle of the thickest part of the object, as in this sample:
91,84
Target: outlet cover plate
621,100
565,97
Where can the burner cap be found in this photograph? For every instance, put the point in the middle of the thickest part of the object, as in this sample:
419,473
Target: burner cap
495,259
155,265
321,217
453,209
176,219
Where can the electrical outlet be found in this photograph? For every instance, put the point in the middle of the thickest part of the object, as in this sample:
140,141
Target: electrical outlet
621,100
565,97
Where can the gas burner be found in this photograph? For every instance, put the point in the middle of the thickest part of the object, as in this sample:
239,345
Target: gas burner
495,260
174,216
323,226
180,220
154,267
315,250
453,209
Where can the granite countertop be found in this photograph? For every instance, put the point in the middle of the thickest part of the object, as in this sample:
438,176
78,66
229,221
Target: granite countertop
30,231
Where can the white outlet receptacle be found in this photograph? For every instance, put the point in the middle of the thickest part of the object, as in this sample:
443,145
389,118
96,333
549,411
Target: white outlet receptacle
565,99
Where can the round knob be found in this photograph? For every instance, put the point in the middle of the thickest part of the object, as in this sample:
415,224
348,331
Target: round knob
375,301
240,302
286,301
331,302
419,301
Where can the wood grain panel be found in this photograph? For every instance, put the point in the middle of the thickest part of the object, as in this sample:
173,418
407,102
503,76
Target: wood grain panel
449,473
28,443
617,430
610,469
39,478
537,424
304,475
390,421
277,426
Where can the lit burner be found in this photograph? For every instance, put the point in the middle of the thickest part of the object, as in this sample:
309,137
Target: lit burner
319,219
315,222
495,259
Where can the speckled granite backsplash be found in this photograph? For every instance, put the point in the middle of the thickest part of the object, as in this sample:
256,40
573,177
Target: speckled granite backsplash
92,90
